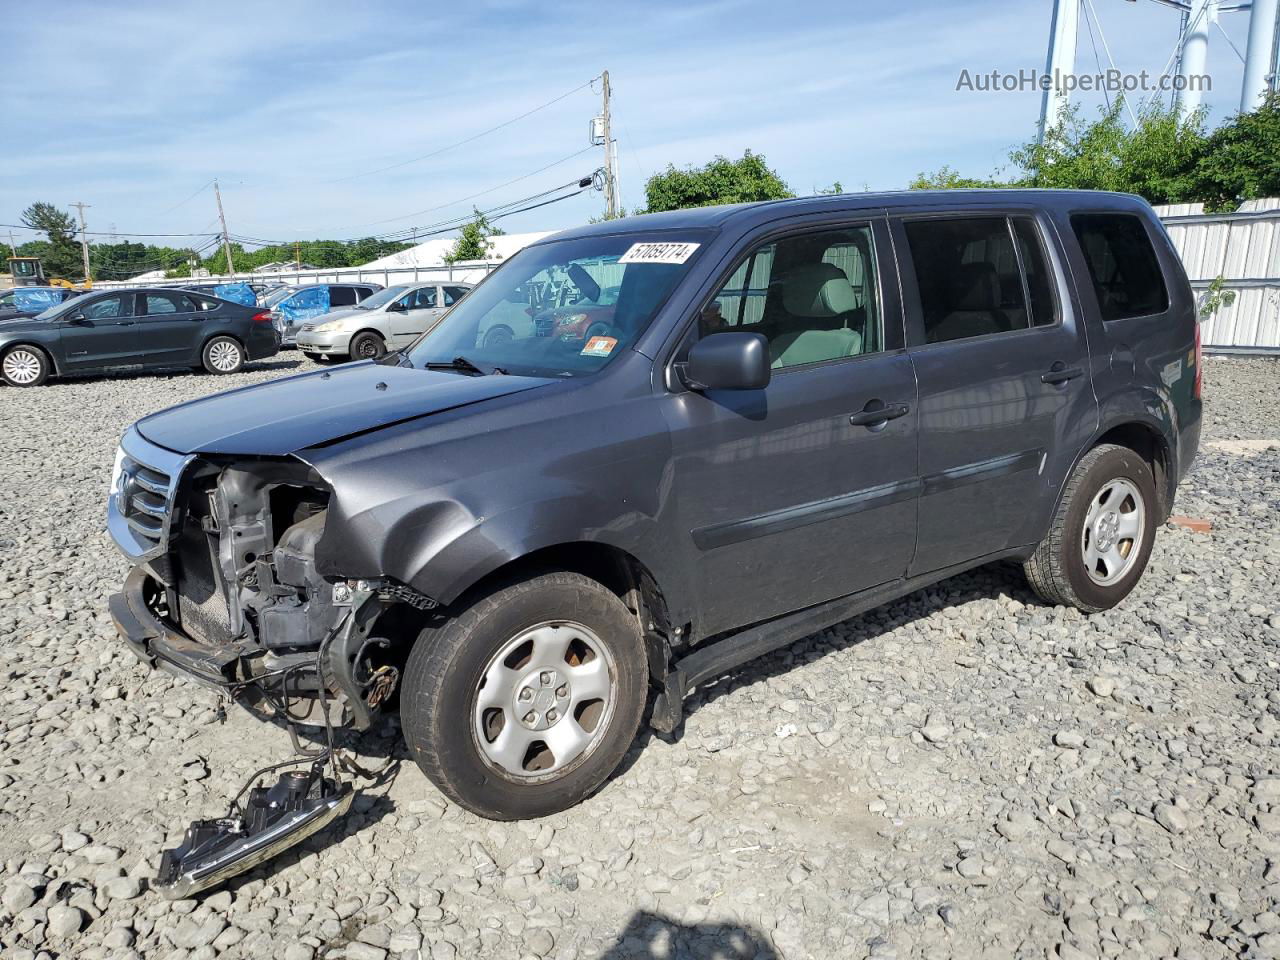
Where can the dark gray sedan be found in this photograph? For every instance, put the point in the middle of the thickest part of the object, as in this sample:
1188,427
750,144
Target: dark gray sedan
134,329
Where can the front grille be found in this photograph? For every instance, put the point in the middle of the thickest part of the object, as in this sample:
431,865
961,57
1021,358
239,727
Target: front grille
140,506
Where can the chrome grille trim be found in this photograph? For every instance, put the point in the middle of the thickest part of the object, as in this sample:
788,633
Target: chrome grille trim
140,506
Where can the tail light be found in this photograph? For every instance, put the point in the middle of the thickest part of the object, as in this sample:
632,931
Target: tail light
1197,386
262,319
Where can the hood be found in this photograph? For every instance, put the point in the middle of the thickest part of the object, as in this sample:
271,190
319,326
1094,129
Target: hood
282,416
11,323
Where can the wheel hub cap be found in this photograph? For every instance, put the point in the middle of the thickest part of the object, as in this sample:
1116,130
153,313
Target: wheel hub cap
544,701
1113,529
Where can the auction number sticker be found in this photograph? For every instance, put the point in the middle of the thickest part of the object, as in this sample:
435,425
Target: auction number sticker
659,253
599,347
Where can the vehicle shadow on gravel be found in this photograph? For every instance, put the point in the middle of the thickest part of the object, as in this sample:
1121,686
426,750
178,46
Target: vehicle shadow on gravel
653,935
284,365
984,583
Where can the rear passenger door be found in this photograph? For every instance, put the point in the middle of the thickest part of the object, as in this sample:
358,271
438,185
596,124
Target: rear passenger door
1000,352
806,490
168,327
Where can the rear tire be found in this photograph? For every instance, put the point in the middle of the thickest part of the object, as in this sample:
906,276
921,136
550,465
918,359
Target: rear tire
524,702
223,355
1101,536
367,346
24,366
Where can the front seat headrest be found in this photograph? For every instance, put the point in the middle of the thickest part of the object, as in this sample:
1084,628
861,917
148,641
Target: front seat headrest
817,290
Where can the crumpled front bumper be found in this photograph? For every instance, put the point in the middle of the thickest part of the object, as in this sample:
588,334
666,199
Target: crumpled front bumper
159,645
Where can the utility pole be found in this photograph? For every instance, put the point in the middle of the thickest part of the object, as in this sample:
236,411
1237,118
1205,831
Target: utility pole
226,241
13,247
1061,60
84,243
297,255
610,178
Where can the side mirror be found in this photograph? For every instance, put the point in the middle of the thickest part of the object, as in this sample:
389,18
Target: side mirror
397,307
727,361
76,317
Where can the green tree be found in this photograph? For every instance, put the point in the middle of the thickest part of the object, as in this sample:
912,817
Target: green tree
1241,159
720,181
944,178
473,243
60,258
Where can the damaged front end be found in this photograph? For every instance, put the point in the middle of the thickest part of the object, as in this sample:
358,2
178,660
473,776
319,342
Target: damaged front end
225,590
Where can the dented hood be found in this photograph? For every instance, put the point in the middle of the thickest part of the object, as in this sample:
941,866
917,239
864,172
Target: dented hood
283,416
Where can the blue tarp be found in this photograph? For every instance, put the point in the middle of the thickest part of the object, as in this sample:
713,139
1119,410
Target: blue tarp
304,305
236,293
35,299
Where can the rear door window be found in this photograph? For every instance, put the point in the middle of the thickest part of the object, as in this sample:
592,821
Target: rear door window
162,303
980,276
453,294
342,297
1122,264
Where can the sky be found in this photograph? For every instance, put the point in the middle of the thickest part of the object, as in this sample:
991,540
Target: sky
320,119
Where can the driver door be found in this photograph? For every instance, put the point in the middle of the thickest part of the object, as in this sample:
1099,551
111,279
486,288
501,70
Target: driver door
416,311
104,333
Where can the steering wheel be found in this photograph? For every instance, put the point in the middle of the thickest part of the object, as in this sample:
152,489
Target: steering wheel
600,329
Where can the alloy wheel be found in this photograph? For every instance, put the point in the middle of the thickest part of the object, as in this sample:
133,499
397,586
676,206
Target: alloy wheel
544,701
224,356
22,365
1113,529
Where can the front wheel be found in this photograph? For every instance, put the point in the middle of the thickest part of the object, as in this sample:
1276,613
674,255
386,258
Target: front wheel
522,704
24,366
367,346
223,355
1101,536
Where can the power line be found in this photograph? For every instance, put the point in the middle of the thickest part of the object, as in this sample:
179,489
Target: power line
188,200
471,139
108,233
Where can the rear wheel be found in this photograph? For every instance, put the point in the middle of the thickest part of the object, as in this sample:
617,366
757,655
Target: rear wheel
1101,536
223,355
497,335
24,366
367,346
523,703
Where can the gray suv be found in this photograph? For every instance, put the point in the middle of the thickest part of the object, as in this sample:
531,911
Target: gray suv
789,413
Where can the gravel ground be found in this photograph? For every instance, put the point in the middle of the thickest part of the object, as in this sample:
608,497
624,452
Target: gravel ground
963,773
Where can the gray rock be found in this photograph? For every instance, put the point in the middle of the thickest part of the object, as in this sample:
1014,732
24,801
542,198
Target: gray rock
64,921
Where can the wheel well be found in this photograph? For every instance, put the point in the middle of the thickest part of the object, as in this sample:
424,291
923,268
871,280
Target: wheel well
1148,444
53,364
376,333
610,566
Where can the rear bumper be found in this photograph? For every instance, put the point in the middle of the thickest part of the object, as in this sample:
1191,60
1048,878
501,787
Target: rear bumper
263,342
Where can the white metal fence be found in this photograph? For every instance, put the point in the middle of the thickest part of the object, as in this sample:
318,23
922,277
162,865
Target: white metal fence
1244,249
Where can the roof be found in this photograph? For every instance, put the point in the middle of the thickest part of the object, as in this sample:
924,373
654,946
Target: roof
744,213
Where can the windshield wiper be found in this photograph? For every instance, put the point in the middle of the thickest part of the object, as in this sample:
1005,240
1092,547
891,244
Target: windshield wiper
460,363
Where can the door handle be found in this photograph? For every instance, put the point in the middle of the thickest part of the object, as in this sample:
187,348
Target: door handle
1061,373
123,323
876,413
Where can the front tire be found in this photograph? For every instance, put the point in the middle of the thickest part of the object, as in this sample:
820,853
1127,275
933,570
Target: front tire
1101,536
223,355
24,366
523,703
367,346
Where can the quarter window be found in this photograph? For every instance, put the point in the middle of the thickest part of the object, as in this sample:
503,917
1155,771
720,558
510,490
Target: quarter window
161,303
1122,264
813,296
974,280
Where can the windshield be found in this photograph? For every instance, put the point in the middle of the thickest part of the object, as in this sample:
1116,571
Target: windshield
276,295
382,297
565,308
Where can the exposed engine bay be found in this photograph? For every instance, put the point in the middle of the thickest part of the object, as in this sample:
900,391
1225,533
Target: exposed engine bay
236,602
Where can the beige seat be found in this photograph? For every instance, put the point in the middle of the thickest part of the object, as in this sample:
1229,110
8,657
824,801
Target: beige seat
816,291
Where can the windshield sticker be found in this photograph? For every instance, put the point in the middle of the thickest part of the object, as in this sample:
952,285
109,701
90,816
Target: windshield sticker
659,253
599,347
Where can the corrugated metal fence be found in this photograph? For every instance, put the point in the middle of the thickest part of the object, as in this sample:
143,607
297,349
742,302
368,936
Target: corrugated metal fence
1244,249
